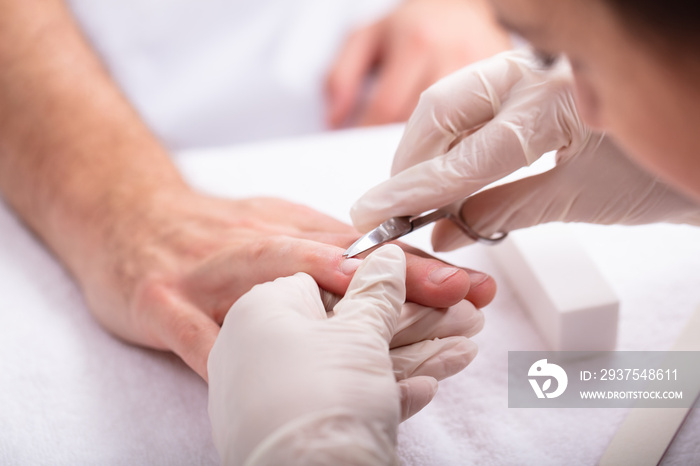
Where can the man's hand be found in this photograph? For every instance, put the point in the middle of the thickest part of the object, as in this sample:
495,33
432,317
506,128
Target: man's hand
166,277
404,53
158,263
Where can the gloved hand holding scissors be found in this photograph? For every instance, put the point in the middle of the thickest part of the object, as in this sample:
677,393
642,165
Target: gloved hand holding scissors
290,385
482,123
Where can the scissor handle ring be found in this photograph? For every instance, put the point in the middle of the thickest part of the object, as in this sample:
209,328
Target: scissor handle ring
464,226
493,239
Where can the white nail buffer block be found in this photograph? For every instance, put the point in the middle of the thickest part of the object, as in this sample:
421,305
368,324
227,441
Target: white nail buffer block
571,303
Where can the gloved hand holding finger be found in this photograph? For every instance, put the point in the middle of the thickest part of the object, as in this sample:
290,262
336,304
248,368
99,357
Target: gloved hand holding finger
325,385
434,342
429,341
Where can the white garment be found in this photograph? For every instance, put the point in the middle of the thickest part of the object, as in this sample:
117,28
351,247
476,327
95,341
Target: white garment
215,72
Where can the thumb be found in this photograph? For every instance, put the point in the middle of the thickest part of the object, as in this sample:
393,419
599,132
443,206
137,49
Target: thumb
376,292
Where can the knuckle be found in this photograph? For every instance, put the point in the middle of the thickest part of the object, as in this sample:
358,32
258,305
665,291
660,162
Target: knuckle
151,292
265,248
150,308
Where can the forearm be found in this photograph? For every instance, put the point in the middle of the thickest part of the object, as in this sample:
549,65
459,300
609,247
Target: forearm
159,264
75,158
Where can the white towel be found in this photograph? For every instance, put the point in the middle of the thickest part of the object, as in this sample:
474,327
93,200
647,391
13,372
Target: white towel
72,394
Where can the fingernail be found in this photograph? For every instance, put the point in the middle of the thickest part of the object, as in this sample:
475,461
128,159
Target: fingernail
349,266
477,278
440,274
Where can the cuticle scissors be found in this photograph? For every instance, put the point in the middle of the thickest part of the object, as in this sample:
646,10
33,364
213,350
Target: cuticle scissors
396,227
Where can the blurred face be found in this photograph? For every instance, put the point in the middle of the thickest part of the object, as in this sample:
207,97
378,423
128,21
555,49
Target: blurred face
649,101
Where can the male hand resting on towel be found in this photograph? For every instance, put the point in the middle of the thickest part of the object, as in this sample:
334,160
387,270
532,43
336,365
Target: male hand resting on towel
159,263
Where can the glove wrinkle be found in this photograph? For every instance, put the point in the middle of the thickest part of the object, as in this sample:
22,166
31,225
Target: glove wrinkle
329,437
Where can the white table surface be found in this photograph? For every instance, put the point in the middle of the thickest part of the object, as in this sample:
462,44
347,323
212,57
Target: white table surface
72,394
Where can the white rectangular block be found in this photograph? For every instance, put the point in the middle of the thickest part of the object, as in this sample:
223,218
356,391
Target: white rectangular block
570,302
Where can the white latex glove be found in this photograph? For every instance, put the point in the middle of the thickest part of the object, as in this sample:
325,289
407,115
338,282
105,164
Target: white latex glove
290,385
482,123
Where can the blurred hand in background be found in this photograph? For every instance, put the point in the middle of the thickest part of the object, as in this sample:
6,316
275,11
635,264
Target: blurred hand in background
382,69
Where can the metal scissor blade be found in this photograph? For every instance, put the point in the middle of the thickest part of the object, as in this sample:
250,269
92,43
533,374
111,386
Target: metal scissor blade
396,227
390,230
